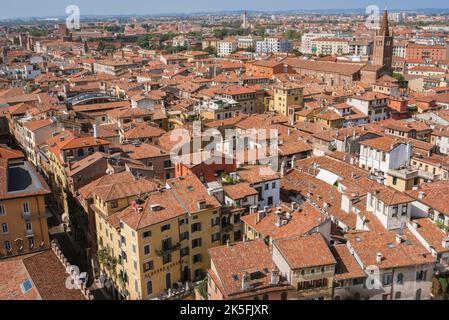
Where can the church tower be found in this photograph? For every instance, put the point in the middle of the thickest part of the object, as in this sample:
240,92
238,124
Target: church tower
383,45
4,55
245,22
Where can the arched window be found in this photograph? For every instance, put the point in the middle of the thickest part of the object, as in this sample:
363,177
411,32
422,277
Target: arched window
397,295
418,294
441,218
400,279
80,152
284,296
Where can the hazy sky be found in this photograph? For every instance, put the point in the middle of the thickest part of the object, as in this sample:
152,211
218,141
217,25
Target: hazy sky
38,8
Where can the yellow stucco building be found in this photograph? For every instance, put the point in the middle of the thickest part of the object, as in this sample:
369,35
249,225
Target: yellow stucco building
23,215
160,242
286,96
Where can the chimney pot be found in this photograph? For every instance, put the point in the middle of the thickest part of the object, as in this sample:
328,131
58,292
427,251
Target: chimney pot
379,257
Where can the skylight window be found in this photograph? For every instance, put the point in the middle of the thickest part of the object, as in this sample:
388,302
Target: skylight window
26,286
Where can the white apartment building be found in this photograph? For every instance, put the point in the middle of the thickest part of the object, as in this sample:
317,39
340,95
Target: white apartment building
306,40
400,48
219,109
265,181
398,17
330,46
226,47
246,42
362,48
380,155
391,207
440,138
31,134
23,71
372,104
274,45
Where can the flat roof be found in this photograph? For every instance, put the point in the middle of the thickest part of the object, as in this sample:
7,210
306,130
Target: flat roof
21,178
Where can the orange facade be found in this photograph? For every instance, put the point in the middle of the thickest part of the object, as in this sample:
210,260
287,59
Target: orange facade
206,172
268,70
434,53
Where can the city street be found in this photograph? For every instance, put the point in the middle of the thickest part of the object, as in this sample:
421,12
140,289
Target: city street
69,249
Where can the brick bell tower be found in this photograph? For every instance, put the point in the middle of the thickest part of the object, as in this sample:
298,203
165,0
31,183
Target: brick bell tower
383,45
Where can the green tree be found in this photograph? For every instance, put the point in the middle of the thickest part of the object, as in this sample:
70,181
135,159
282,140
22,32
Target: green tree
210,50
101,46
260,31
400,78
220,33
293,34
107,260
202,288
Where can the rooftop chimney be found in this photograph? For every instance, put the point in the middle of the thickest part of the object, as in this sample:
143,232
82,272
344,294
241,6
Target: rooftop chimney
252,209
283,169
293,162
422,194
260,215
398,239
96,131
293,206
378,257
278,218
445,243
246,281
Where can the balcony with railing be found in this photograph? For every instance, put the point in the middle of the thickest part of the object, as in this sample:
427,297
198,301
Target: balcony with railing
166,250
